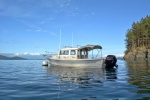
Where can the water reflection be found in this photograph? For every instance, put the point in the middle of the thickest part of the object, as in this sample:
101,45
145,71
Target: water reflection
111,74
77,75
77,82
139,73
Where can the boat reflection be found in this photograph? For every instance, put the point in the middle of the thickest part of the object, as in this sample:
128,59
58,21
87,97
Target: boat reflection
110,74
76,81
77,75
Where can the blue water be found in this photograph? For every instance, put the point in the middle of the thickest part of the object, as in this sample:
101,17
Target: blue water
28,80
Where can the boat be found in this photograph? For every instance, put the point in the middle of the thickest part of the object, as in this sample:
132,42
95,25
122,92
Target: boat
77,57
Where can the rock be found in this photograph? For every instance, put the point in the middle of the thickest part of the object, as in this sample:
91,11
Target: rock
138,54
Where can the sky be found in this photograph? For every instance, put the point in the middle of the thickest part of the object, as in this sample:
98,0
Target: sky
34,26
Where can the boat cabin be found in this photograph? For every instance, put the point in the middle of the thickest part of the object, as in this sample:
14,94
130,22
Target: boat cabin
77,53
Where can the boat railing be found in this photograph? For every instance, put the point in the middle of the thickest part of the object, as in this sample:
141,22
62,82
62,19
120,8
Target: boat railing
53,53
49,54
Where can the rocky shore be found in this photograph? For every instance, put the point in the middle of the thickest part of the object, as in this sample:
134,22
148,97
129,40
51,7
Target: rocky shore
139,54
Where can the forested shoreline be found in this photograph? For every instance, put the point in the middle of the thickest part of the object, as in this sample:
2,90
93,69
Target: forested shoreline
138,39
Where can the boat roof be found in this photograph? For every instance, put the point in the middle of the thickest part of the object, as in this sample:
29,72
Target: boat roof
91,47
87,47
69,48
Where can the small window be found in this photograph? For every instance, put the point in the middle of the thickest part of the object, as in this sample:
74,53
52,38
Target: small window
73,52
64,52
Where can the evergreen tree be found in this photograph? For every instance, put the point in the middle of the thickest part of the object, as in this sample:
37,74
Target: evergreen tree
139,34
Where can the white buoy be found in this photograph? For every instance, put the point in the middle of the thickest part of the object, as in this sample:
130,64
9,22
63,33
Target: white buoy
45,63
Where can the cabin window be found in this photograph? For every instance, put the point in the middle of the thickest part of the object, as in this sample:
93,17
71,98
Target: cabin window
73,52
64,52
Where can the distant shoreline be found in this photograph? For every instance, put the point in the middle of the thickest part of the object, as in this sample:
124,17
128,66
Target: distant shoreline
11,58
2,57
22,59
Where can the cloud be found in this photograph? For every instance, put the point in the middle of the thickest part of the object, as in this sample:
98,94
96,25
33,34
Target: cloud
43,11
42,31
23,8
27,53
10,41
13,9
42,22
117,55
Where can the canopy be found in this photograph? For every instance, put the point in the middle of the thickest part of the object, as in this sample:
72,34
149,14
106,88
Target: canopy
90,47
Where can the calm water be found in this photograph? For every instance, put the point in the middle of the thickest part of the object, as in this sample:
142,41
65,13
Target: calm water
28,80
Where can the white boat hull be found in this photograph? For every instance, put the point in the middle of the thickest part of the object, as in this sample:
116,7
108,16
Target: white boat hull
93,63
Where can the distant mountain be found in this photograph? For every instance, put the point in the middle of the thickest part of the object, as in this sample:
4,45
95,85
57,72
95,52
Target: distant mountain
11,58
17,58
4,57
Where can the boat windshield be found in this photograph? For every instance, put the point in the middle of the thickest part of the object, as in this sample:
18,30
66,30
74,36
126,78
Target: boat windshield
64,52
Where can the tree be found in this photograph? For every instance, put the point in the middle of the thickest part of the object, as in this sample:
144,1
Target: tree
139,34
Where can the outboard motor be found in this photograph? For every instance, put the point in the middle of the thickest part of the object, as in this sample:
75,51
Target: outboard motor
110,61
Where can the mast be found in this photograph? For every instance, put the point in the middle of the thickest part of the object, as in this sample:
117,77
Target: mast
72,39
60,40
59,44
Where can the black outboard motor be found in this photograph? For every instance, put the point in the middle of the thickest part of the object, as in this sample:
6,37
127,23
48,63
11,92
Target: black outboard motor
110,61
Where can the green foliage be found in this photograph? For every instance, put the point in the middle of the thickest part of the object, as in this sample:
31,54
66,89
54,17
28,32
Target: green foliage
139,34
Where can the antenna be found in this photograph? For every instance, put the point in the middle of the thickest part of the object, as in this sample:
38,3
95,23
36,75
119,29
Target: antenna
72,39
60,39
